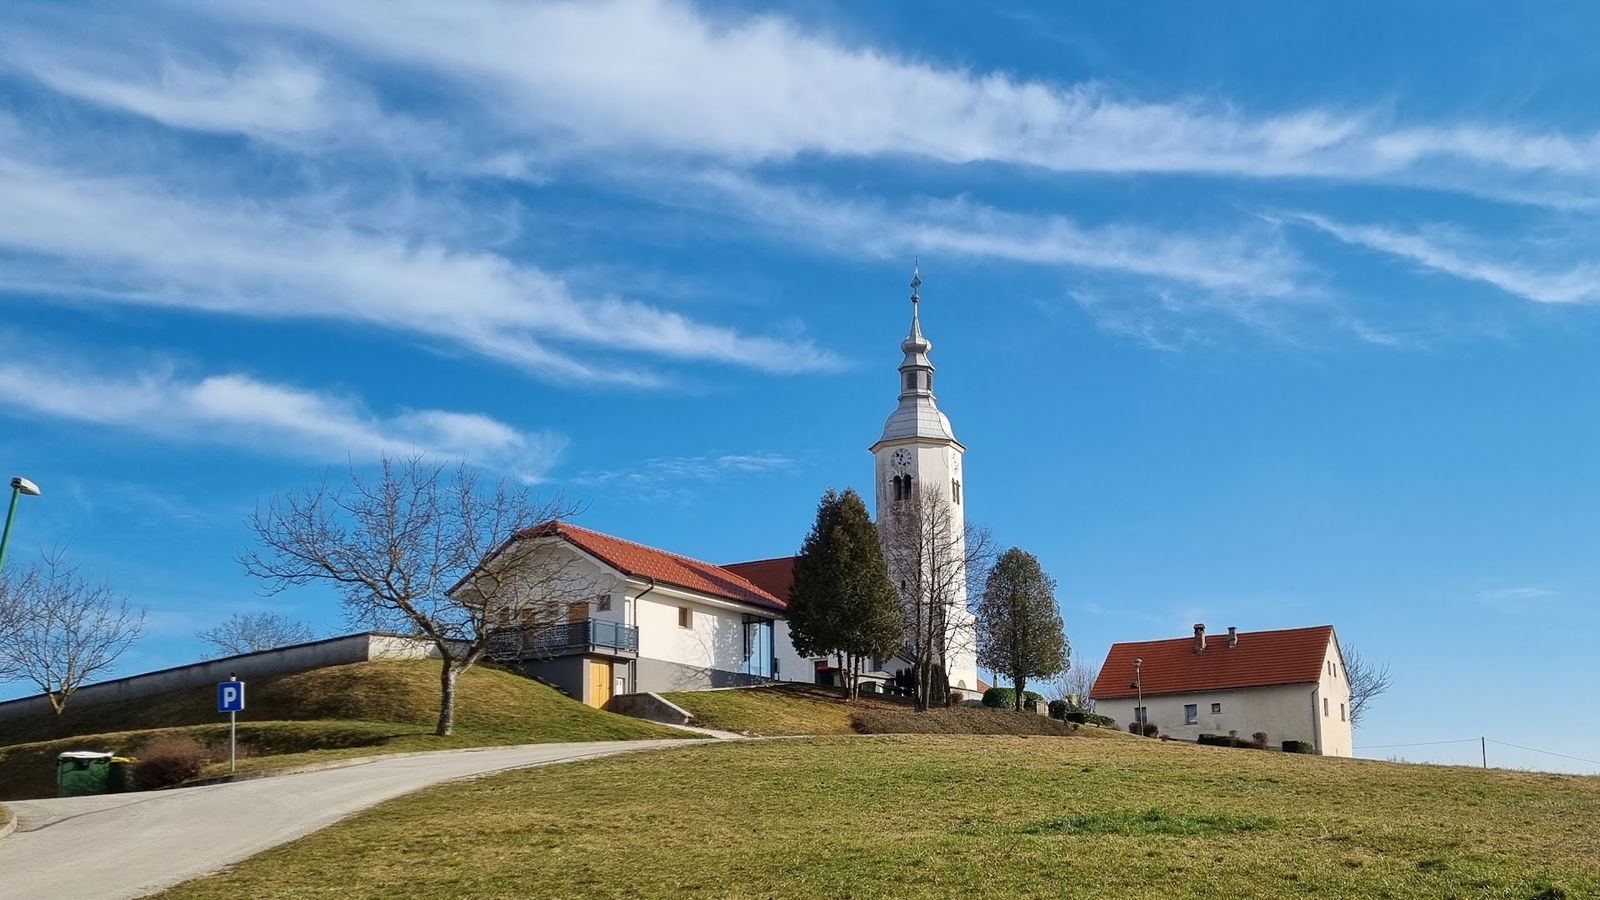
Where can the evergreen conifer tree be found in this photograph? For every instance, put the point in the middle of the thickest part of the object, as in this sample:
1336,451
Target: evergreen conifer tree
842,603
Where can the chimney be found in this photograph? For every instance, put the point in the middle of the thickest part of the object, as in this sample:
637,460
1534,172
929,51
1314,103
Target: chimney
1199,637
1233,636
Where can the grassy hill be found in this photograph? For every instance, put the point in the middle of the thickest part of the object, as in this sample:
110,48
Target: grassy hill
320,715
778,710
794,709
905,816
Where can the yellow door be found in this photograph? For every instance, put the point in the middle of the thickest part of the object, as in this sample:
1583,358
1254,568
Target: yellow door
599,682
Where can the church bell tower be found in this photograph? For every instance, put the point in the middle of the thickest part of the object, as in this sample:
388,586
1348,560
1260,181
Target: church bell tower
918,463
918,454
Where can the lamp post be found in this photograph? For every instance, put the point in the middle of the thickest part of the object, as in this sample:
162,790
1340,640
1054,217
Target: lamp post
1138,685
19,486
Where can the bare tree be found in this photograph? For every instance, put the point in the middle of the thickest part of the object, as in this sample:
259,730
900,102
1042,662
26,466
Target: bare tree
423,551
60,630
1076,682
1367,680
253,632
932,561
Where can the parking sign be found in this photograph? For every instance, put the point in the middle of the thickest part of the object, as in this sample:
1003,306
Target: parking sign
230,696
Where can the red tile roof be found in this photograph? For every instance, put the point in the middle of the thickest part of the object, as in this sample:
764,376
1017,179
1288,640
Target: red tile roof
1262,658
667,568
775,576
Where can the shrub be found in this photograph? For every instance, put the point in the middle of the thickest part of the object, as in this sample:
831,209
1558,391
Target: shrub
957,698
1133,727
1089,718
1058,710
1260,738
1150,729
1298,747
167,761
1000,698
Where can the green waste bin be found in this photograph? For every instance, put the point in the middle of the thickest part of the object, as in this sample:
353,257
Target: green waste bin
120,779
80,773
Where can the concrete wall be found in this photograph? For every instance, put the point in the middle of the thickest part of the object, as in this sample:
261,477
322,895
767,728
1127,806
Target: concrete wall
1284,712
654,707
334,651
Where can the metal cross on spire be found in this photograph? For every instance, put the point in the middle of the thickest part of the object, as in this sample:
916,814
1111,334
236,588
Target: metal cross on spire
916,279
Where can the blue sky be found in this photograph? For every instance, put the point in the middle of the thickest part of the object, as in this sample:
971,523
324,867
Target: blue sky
1250,315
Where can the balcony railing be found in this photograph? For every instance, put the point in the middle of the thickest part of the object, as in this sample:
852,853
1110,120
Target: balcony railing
566,638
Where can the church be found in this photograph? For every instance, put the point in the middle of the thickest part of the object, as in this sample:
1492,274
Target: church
660,621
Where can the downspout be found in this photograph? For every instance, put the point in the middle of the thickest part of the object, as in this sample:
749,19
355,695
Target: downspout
633,664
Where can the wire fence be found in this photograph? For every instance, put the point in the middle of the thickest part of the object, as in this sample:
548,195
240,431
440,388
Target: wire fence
1481,741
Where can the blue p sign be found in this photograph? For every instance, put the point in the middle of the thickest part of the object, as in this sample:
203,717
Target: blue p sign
230,696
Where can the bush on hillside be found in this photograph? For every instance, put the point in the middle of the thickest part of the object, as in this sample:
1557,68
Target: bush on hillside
1150,729
1298,747
1134,727
1058,709
999,698
167,761
1260,739
1084,717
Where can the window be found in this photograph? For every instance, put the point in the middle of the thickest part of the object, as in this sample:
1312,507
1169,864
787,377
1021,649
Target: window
1341,712
1141,715
955,490
602,602
911,381
685,617
1324,706
902,487
1191,713
578,612
1216,708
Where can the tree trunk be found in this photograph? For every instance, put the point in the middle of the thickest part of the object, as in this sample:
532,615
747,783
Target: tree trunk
1017,684
447,698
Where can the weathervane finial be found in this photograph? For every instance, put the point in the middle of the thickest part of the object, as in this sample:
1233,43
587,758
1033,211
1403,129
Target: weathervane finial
916,279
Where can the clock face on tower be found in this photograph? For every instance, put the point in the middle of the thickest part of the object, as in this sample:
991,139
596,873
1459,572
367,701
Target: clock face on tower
901,459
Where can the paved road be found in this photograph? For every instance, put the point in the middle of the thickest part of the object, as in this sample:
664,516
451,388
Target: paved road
130,845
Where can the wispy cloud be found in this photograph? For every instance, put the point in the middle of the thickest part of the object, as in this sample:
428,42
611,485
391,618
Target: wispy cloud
244,412
1515,599
1252,260
666,477
1452,254
668,76
127,241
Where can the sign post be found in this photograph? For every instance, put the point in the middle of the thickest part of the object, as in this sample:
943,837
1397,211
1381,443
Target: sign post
230,699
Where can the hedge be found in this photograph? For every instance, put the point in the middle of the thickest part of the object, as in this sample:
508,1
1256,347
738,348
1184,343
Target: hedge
1298,747
1084,717
1006,698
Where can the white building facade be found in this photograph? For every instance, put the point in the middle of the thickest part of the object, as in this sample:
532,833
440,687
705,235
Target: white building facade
1290,684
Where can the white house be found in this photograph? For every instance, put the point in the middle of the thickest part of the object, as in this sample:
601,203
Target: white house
658,621
1290,683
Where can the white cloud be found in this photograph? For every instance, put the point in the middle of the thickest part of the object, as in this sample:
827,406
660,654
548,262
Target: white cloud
1252,261
123,240
1577,283
670,477
243,412
1516,599
664,76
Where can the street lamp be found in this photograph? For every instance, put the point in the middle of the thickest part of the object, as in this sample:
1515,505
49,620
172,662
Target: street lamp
19,486
1138,685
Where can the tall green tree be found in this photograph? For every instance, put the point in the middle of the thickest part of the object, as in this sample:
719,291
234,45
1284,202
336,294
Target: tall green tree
1020,634
842,603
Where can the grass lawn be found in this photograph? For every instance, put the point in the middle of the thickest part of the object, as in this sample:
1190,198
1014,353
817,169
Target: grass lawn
778,710
328,714
911,816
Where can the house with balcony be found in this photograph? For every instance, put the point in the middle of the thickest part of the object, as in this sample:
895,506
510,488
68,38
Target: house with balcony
1290,683
657,621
